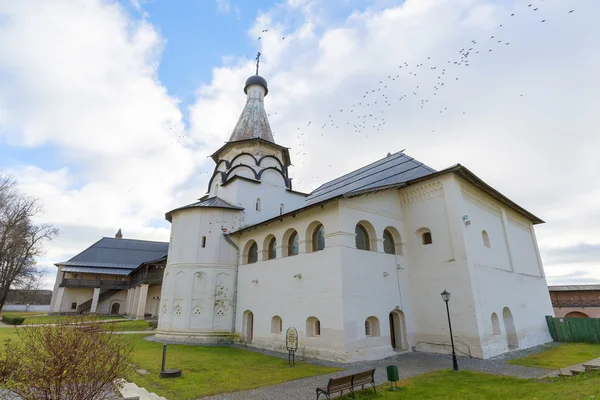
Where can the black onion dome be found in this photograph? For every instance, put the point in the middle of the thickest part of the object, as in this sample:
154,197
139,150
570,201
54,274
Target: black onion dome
256,80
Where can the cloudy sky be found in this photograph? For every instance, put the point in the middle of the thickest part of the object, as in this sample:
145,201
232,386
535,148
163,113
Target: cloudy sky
109,109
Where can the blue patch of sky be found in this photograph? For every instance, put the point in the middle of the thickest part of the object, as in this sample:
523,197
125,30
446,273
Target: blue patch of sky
44,157
198,35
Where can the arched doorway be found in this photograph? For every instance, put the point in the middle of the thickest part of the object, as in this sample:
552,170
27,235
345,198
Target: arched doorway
576,314
115,308
398,330
511,332
248,330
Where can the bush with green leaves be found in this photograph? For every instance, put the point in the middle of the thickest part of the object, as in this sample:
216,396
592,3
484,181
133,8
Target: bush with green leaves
12,319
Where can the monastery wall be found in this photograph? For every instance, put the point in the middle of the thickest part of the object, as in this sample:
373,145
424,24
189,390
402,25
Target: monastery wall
273,288
375,284
434,206
105,305
75,295
196,302
511,294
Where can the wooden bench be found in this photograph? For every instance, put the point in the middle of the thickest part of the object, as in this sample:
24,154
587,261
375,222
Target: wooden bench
348,382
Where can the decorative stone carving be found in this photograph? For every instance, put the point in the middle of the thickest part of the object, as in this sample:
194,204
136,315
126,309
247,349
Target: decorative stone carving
421,193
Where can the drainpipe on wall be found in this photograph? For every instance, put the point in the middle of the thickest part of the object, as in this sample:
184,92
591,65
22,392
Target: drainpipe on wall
235,279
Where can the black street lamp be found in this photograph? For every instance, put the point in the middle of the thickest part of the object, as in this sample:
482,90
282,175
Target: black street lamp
446,297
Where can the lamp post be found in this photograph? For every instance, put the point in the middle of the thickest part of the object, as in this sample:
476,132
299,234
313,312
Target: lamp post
446,298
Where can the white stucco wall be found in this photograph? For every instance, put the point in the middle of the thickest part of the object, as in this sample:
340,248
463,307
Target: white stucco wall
75,295
53,300
104,306
441,265
318,293
198,284
374,283
507,274
343,286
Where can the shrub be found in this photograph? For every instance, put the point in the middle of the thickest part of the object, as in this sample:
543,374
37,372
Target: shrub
64,361
12,320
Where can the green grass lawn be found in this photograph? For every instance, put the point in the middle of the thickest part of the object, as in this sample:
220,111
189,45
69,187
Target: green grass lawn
467,385
50,319
129,326
33,317
211,370
7,333
561,356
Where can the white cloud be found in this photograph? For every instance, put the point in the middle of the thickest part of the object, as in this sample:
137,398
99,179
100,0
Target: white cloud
538,149
223,6
81,77
88,87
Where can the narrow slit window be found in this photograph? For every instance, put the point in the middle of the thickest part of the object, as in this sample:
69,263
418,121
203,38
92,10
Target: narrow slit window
426,238
203,241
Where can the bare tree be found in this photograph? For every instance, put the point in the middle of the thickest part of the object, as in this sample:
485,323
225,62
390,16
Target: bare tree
21,240
71,360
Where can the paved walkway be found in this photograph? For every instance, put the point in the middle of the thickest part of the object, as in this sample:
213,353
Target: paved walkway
409,364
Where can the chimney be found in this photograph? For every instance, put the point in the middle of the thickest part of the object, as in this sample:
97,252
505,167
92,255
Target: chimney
119,234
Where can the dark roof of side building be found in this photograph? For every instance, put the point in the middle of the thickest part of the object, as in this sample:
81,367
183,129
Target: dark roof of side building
572,288
393,172
115,256
210,202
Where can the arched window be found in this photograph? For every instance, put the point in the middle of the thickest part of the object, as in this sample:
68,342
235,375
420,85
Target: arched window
281,209
485,238
293,244
276,324
426,238
388,243
257,204
318,238
272,250
253,253
313,327
216,188
362,238
372,327
495,324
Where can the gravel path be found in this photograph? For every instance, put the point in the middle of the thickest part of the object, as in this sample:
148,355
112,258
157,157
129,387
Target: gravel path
409,364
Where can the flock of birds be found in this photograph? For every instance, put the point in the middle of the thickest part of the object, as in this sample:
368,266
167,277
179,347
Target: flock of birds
367,114
368,111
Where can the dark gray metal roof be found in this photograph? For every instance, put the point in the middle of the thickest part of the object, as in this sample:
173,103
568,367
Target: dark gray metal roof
108,253
96,270
391,170
336,188
573,288
211,202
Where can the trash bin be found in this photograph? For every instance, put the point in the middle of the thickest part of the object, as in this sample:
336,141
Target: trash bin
392,373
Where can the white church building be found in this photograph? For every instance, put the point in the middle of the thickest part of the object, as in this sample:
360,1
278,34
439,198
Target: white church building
357,266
